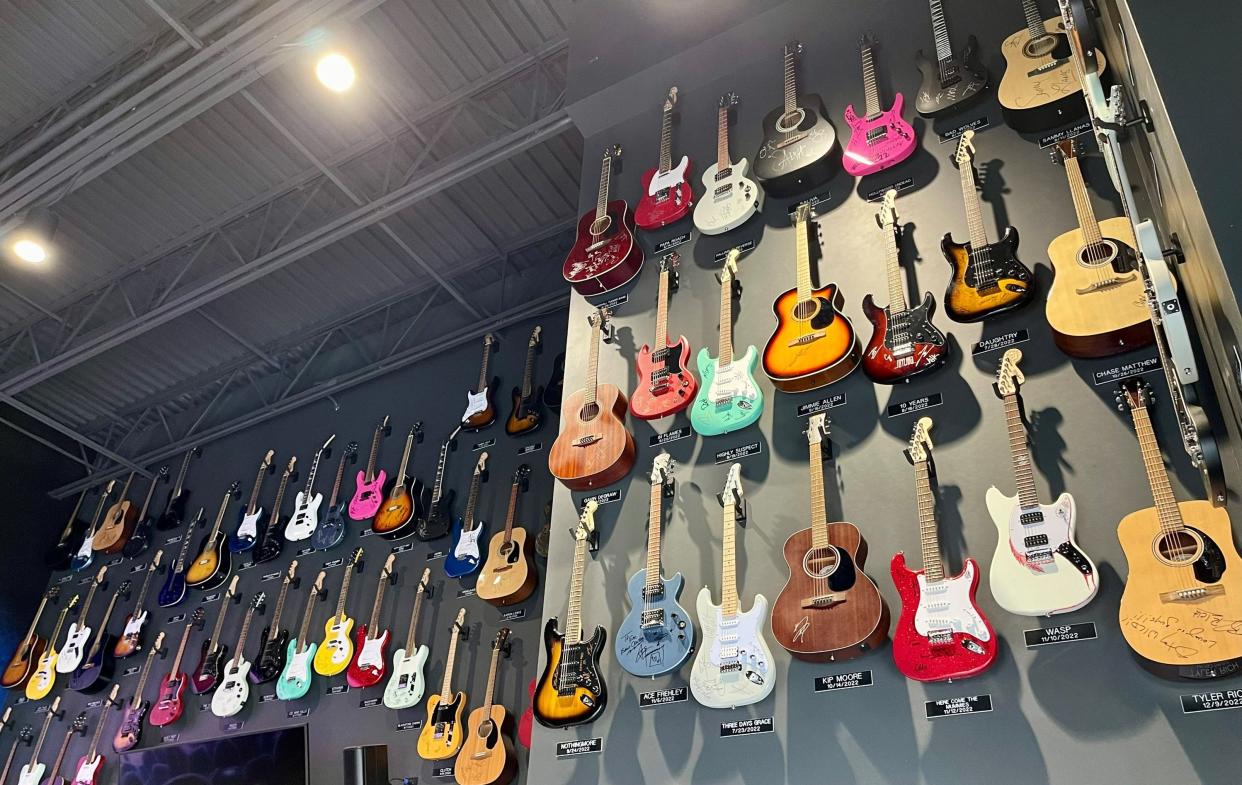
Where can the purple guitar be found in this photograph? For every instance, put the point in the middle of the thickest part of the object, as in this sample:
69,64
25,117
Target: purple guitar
370,491
880,138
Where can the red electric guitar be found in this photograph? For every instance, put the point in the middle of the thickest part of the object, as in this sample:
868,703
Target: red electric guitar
604,255
667,196
370,661
170,704
528,717
665,384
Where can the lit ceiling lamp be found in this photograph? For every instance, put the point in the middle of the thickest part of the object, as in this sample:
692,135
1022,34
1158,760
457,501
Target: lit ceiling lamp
335,72
31,241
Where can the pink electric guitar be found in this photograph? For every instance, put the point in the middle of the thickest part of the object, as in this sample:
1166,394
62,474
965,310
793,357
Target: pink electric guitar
880,138
665,384
667,196
370,490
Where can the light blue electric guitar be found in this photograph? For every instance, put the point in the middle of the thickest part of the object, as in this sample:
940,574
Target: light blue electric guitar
728,399
295,679
657,635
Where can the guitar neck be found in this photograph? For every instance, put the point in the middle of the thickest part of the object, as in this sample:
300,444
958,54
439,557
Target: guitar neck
379,603
101,633
418,606
592,385
86,606
215,527
1157,476
933,568
93,749
215,631
146,502
892,256
446,687
722,139
974,208
345,581
1034,20
666,139
241,638
661,334
274,632
605,175
34,623
97,520
274,517
1020,453
725,349
375,442
819,512
180,483
438,488
791,81
60,755
487,356
940,27
73,517
491,683
185,638
655,517
253,504
146,585
870,87
340,474
1087,222
573,616
38,747
801,230
142,680
509,517
60,625
728,573
310,475
476,482
529,372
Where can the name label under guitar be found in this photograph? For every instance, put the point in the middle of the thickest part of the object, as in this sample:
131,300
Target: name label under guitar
211,597
746,727
483,445
605,497
749,245
735,453
513,615
614,303
247,566
1048,140
130,671
170,738
137,568
409,725
1062,633
176,618
916,405
306,551
402,548
822,405
814,201
235,725
368,703
1000,342
436,555
64,579
444,772
568,749
1126,370
647,700
528,449
675,435
1211,701
843,681
671,243
297,714
955,707
978,124
330,563
271,576
901,185
95,704
337,689
465,593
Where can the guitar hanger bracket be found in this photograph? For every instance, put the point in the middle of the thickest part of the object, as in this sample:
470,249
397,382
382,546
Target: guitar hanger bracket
161,652
463,632
1174,252
668,488
296,583
427,589
59,715
115,703
392,578
236,598
610,333
320,594
1144,117
507,649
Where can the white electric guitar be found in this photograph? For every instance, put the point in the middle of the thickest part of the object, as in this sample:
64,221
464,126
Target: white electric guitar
78,638
248,530
32,772
305,518
1038,569
730,198
234,689
406,684
734,665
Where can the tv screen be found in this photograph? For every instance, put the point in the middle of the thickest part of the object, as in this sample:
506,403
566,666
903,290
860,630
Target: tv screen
270,758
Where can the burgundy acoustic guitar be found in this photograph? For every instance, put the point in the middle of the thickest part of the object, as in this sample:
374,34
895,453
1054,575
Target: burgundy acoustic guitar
604,255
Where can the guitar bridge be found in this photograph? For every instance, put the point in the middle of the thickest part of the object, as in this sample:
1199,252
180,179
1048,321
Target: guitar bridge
790,140
587,440
822,601
1190,595
1111,283
803,340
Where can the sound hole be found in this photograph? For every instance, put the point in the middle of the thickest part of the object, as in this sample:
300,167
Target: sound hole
821,562
1179,548
805,310
1041,47
600,225
589,412
1097,254
790,121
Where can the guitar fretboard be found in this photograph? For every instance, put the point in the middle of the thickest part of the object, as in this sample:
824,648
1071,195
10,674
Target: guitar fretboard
661,334
274,517
933,568
375,441
185,637
224,608
514,491
1020,453
592,385
180,483
892,266
146,673
605,175
1034,20
340,474
274,632
655,519
472,500
819,512
573,615
802,227
974,208
345,581
725,350
870,87
666,139
239,653
379,603
418,605
438,488
722,139
940,27
1091,234
1157,476
446,687
73,517
487,356
529,371
312,597
253,504
791,81
728,573
491,681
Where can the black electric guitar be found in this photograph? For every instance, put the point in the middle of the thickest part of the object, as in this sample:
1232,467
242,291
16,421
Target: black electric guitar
798,138
555,389
275,641
174,510
439,518
57,557
140,540
951,80
273,540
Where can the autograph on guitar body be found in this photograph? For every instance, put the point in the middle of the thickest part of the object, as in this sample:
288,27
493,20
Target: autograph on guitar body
798,139
665,384
880,138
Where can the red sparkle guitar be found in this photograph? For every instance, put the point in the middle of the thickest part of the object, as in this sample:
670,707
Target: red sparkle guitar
604,255
665,384
370,661
667,195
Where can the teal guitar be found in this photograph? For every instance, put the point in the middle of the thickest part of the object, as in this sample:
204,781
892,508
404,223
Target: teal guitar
729,398
295,679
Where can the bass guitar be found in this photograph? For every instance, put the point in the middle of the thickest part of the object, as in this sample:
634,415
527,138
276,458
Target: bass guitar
22,664
904,342
730,198
271,543
337,649
729,399
406,684
369,487
488,757
436,521
140,539
667,196
881,138
305,518
89,769
213,564
173,591
77,727
464,556
370,661
57,557
130,641
248,527
605,254
480,412
954,79
331,530
406,500
178,498
273,643
829,609
41,681
798,138
214,651
594,448
571,689
118,523
295,679
234,690
170,704
95,671
442,734
657,635
508,576
665,385
32,772
525,415
79,634
941,633
129,734
85,554
1040,88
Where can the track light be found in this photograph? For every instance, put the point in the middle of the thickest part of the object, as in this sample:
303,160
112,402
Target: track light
31,241
335,72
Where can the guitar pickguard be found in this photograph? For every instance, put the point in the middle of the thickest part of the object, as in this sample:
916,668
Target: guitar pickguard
946,606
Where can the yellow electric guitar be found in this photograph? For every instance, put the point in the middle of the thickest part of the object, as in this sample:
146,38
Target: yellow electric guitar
337,649
443,731
44,677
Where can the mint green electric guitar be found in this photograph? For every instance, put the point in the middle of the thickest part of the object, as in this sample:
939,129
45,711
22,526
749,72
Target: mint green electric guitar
295,679
728,399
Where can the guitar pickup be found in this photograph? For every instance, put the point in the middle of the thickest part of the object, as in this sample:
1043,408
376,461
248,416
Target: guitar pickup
731,667
1027,518
1035,540
1190,595
822,601
728,652
902,349
651,618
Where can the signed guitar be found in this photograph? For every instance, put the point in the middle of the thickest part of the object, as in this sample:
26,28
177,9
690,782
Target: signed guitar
295,679
337,649
331,530
665,385
526,415
508,575
369,492
170,704
305,517
214,651
77,727
442,734
954,79
406,501
174,510
480,411
248,527
22,664
271,543
729,399
85,554
234,690
406,684
798,139
130,641
118,523
730,198
1040,88
129,734
881,138
370,661
464,556
214,563
605,254
488,756
667,196
273,643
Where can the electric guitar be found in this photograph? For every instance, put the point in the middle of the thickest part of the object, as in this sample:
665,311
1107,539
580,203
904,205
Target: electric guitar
140,538
43,679
488,756
369,488
89,769
881,138
734,665
95,671
85,554
24,736
508,576
79,634
273,643
295,679
464,556
129,734
77,727
665,385
130,641
248,529
406,684
174,509
170,704
729,399
1040,88
554,390
337,649
436,521
480,412
667,195
22,664
406,500
331,530
370,661
814,343
605,254
941,633
32,773
571,689
730,198
656,636
953,79
213,564
904,342
57,557
305,518
829,609
442,734
272,543
173,591
118,523
987,277
234,690
525,416
594,448
214,651
798,138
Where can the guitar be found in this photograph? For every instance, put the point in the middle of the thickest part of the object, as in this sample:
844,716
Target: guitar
555,388
79,633
305,518
441,737
571,689
173,591
734,665
248,528
43,679
1040,89
508,576
174,510
881,138
527,721
406,500
331,530
24,736
369,487
730,198
295,679
436,521
667,195
214,652
129,734
32,773
954,79
405,685
904,342
118,523
170,704
594,448
798,138
525,417
22,664
665,385
130,641
604,255
89,769
85,554
829,609
95,670
487,757
545,532
657,635
729,399
273,643
337,650
480,412
57,557
1180,597
77,727
1097,304
213,564
234,690
987,277
941,633
814,343
370,661
464,557
272,543
140,538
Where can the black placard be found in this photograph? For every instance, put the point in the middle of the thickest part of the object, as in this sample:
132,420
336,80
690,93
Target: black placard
173,540
737,453
176,618
116,561
247,566
955,707
1048,140
95,704
170,738
814,202
821,405
749,727
568,749
465,593
235,725
605,497
211,597
436,555
528,449
843,681
137,568
271,576
483,445
268,698
675,435
1012,338
297,713
337,562
21,700
42,709
513,615
978,124
367,531
612,305
409,725
64,579
337,689
916,405
1220,700
368,703
202,707
1124,371
308,550
671,243
131,670
443,772
86,580
402,548
648,700
899,186
744,247
1061,633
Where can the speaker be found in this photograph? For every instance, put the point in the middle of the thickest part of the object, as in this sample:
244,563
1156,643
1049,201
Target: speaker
366,765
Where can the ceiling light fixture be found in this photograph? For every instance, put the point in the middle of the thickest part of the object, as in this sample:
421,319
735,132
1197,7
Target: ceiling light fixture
32,240
335,72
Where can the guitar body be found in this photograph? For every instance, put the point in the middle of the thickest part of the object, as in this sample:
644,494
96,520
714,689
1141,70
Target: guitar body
269,548
397,515
1052,574
437,520
1039,89
57,557
331,531
117,527
247,532
43,679
234,690
664,643
305,518
368,496
903,344
130,641
406,684
528,717
295,679
734,665
809,352
77,641
1098,308
796,153
594,448
665,385
600,263
667,198
730,198
337,650
525,416
96,671
31,774
878,142
1192,638
941,633
213,565
210,668
729,399
508,576
172,591
22,666
480,412
829,609
464,557
571,689
170,704
139,540
89,771
488,756
271,660
985,283
962,81
174,512
443,733
370,663
129,734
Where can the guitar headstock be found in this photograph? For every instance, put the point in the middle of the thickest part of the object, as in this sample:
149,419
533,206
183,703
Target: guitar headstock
817,428
887,217
600,318
161,475
266,463
386,573
867,41
289,467
258,602
351,450
521,477
158,645
356,557
502,636
459,623
26,734
793,48
480,465
733,485
424,582
233,490
317,586
112,696
662,469
489,341
79,724
586,521
728,99
328,443
730,266
965,148
1009,376
53,594
669,261
155,560
802,213
671,99
108,488
124,588
1064,150
920,440
382,428
536,335
73,602
1134,393
198,617
292,571
232,591
99,576
612,151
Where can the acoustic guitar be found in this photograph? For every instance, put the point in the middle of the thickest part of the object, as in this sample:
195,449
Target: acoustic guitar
1040,88
508,575
667,195
39,684
22,664
488,757
665,384
953,79
442,734
480,411
213,564
399,509
798,138
129,734
526,414
118,523
605,254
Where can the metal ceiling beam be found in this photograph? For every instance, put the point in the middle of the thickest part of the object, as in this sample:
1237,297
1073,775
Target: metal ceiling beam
48,443
65,430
